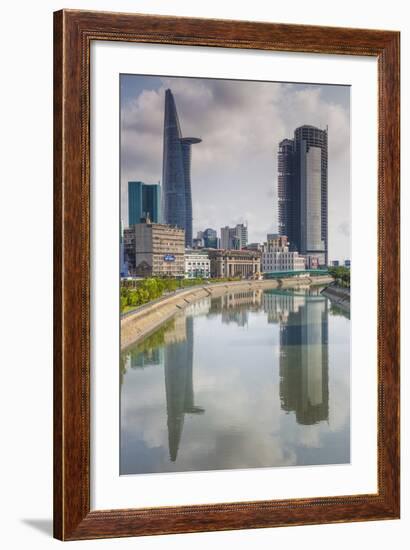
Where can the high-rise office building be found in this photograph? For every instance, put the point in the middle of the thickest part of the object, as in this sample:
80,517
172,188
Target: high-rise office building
210,238
242,234
144,201
176,172
302,191
286,191
225,237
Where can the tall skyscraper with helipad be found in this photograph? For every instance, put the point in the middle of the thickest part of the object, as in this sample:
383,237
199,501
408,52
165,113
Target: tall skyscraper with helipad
176,172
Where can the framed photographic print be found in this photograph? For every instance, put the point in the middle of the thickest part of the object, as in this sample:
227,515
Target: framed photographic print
226,335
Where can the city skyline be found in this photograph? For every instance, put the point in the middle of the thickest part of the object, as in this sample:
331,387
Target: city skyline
234,172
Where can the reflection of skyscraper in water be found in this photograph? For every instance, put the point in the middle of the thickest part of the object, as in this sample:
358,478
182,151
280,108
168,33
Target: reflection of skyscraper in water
178,332
179,384
304,362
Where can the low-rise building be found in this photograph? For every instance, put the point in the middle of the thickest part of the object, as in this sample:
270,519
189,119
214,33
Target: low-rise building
276,255
155,250
235,263
197,264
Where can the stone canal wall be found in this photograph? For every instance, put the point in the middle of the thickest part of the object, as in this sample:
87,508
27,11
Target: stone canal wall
339,296
141,322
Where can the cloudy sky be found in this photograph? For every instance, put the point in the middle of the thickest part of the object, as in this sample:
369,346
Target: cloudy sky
234,169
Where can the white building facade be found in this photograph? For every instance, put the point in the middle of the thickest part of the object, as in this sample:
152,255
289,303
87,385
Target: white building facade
277,257
197,264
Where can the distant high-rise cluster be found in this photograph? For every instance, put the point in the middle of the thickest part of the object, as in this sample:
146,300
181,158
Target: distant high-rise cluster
206,239
302,191
302,213
234,238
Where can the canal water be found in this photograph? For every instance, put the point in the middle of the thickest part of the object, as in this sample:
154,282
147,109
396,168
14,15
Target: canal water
247,380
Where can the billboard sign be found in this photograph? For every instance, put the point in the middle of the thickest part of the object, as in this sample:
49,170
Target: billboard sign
169,258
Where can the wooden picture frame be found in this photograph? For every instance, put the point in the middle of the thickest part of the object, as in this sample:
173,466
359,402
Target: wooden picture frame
74,32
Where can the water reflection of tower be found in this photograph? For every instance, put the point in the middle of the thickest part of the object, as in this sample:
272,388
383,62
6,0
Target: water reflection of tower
304,365
179,383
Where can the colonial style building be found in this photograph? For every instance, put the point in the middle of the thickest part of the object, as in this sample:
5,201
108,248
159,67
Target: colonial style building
155,249
235,263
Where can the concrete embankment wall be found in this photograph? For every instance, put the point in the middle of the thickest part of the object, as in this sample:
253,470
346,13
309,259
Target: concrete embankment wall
139,324
294,282
147,318
339,296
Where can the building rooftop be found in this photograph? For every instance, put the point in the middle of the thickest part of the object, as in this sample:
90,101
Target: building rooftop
232,252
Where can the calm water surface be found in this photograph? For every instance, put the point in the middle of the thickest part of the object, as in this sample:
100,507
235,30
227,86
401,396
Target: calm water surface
247,380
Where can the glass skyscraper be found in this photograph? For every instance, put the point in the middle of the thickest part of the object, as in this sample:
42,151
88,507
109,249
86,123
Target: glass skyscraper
210,237
302,191
176,172
143,201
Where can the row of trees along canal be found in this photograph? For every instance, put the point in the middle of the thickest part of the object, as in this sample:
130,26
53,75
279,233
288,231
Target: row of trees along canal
341,276
139,292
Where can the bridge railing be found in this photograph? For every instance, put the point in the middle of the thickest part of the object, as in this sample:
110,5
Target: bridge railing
285,274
